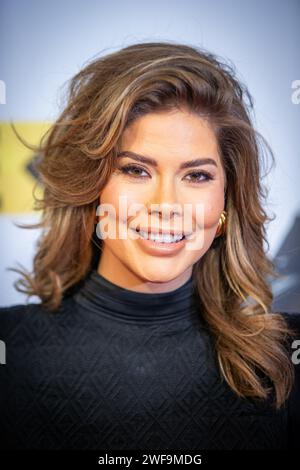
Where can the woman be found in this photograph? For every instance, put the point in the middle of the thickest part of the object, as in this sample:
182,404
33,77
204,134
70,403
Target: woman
155,328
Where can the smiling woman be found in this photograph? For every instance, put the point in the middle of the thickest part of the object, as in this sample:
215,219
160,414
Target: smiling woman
160,335
148,263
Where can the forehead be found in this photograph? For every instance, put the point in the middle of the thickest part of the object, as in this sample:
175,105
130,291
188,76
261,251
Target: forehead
171,136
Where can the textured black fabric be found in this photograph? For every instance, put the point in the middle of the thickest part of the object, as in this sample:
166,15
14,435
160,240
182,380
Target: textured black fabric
117,369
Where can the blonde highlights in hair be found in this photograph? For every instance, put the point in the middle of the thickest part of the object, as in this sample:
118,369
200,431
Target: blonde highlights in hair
78,155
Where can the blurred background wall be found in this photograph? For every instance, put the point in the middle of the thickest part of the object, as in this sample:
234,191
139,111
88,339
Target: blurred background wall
44,43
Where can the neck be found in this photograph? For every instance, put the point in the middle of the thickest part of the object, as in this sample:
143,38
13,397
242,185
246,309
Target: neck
105,299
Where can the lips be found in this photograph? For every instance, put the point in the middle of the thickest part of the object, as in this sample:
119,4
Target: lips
154,231
159,248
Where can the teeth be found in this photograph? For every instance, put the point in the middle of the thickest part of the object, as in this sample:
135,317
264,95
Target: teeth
161,238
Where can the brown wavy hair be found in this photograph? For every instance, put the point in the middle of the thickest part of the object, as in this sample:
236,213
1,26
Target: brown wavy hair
78,155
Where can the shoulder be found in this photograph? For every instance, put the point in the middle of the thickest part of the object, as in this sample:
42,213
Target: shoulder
16,318
293,340
293,320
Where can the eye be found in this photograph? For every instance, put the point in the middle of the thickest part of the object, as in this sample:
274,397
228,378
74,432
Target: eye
197,174
133,170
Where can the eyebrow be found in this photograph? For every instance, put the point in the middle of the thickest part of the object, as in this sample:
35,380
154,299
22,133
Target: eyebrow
152,162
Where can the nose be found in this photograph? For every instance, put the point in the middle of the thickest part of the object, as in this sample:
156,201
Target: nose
164,201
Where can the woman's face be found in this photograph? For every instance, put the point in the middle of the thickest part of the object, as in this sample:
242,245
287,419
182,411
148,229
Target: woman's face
162,196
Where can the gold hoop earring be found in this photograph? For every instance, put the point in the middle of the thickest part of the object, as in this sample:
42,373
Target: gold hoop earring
221,225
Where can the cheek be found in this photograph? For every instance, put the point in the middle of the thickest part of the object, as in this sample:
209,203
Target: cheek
210,202
120,195
210,206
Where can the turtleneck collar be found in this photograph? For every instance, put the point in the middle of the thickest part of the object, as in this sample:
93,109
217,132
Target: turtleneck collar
103,297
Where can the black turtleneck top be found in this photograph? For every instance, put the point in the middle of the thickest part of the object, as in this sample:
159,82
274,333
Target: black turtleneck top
119,369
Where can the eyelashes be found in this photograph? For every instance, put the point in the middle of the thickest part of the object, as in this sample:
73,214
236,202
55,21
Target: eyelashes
134,168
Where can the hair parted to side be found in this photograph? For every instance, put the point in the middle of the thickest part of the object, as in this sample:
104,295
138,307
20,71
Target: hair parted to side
78,155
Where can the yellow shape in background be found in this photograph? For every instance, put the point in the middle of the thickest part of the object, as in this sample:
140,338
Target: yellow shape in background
16,182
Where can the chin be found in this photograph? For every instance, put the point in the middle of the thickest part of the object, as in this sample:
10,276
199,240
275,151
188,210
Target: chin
158,276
